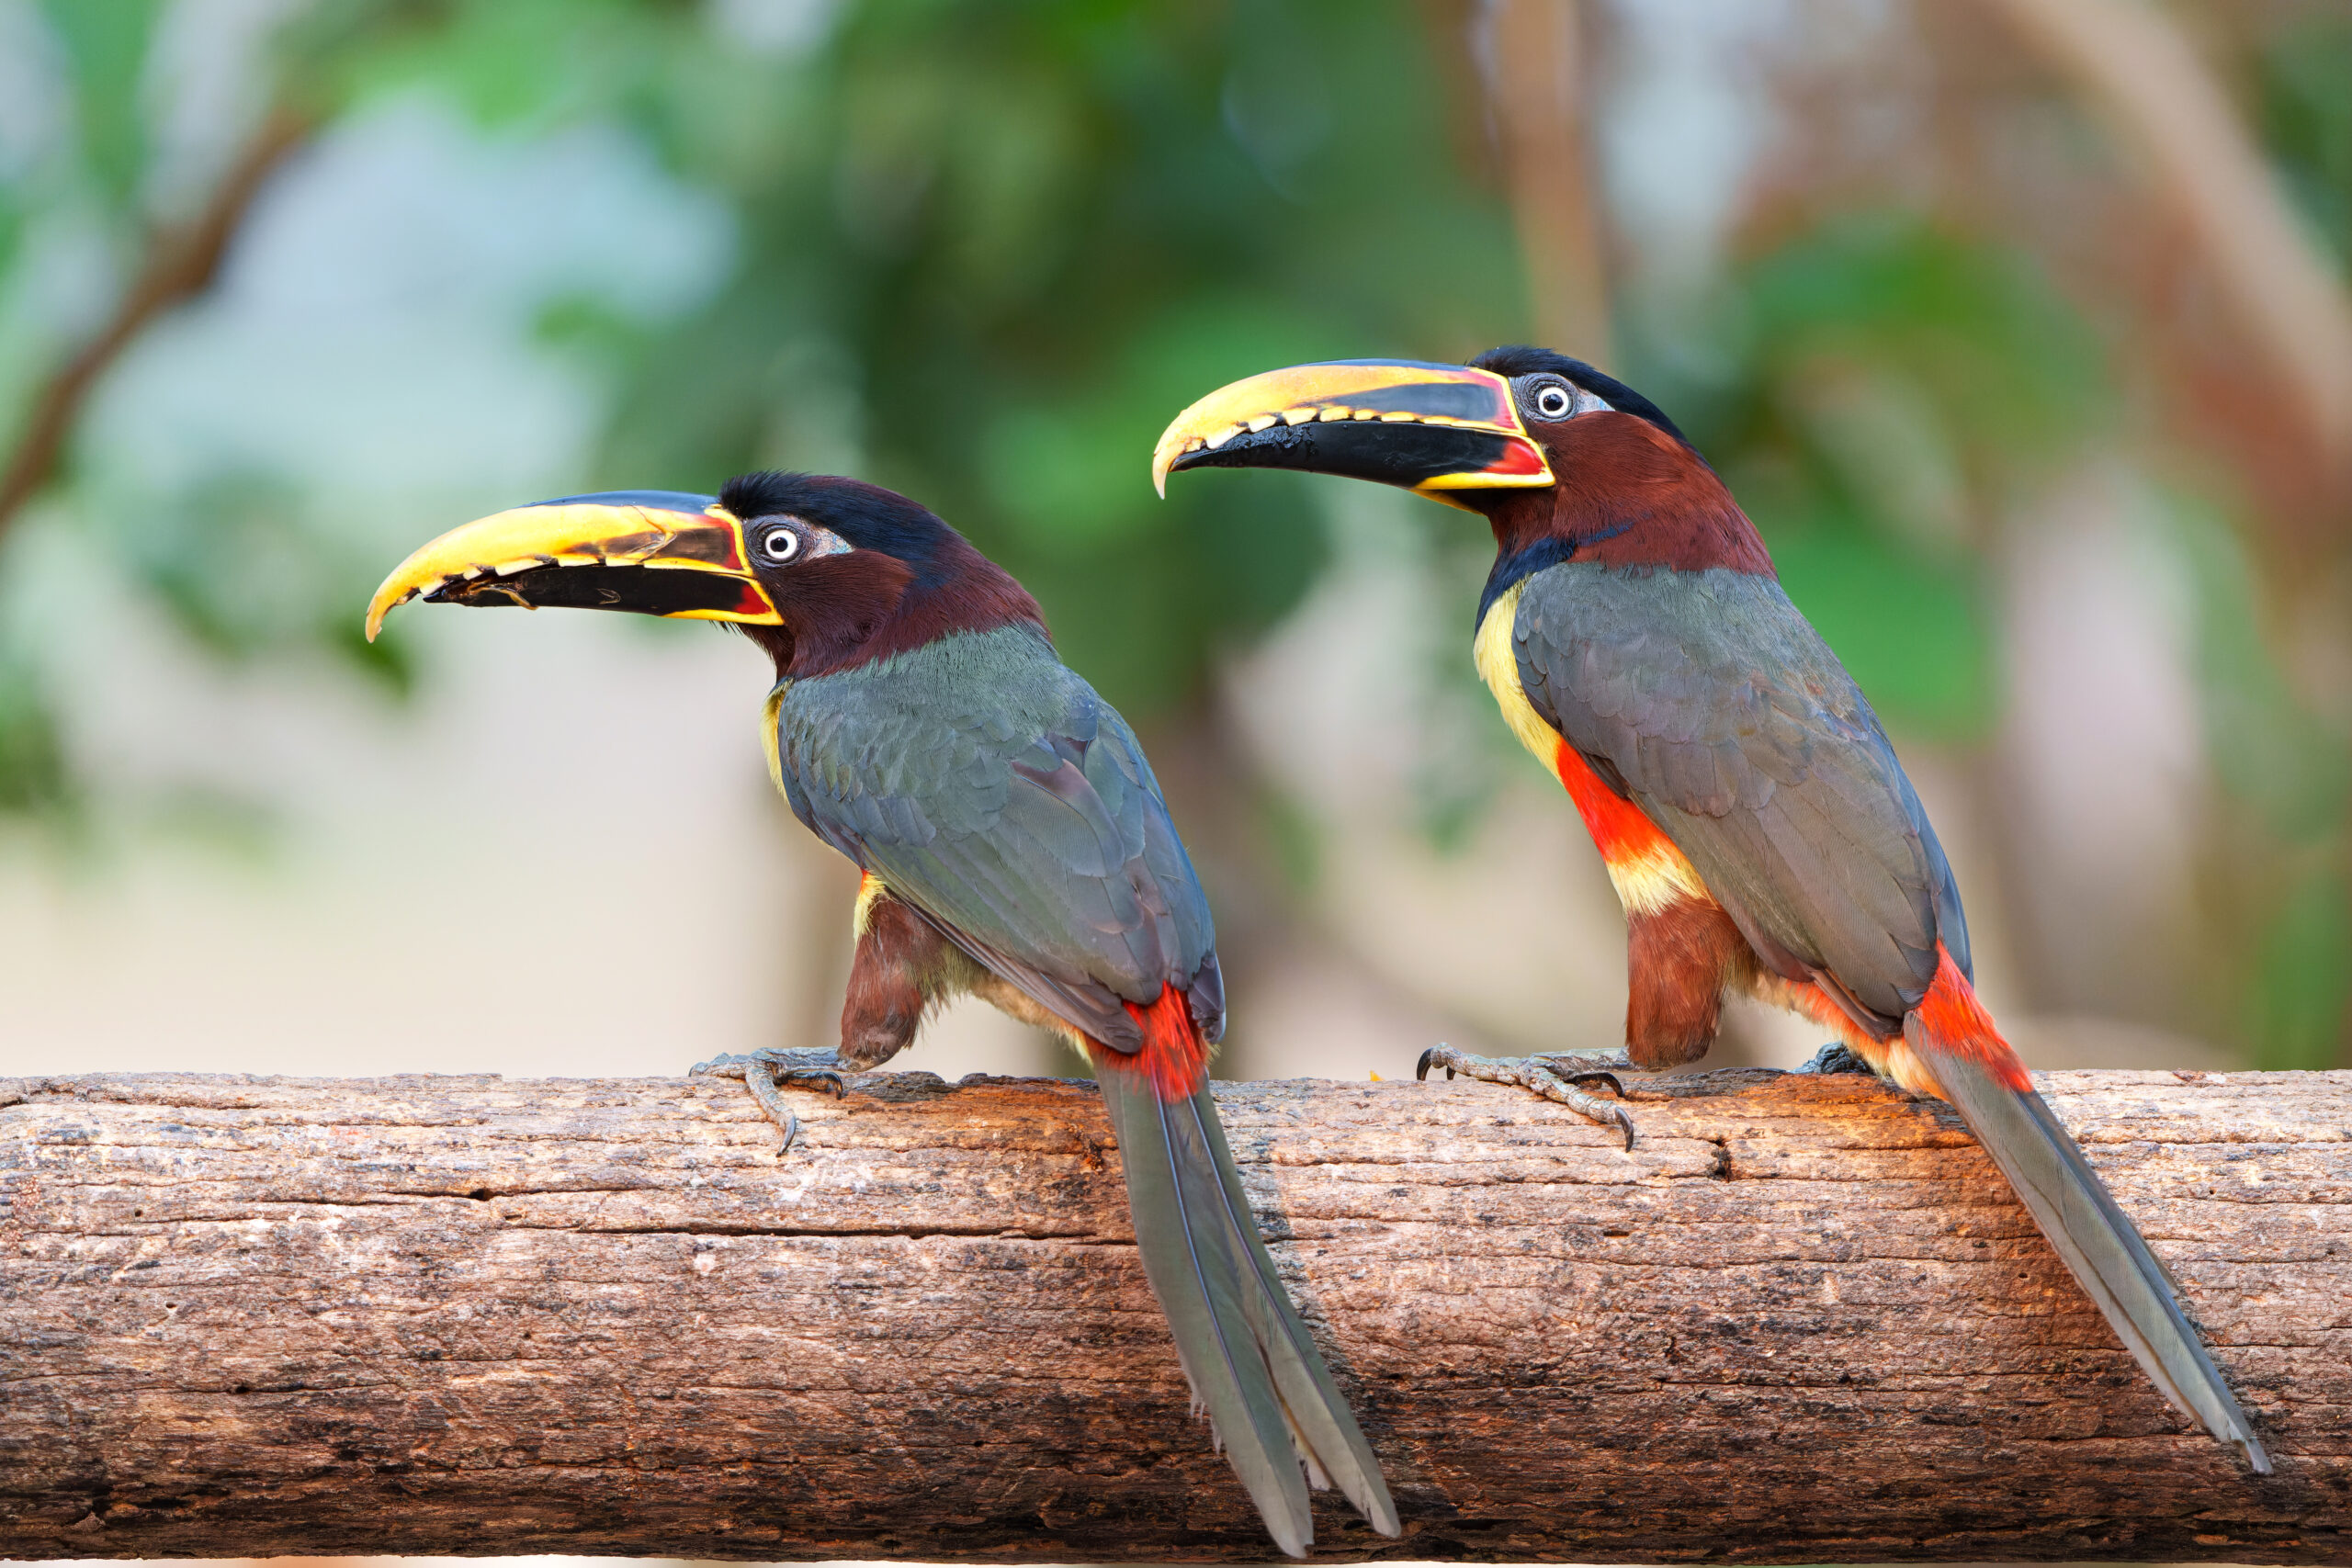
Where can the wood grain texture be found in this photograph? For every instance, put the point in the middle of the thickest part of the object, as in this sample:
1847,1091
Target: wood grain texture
1804,1322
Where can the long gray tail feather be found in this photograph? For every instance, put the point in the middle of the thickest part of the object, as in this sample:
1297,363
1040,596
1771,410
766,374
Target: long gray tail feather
2095,1239
1252,1363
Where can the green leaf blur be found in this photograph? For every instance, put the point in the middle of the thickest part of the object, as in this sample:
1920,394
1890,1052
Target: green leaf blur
1888,387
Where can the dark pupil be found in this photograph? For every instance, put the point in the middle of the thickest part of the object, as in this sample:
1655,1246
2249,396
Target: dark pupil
1552,399
781,544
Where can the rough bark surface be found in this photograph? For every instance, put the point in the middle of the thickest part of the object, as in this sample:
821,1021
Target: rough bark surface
1803,1322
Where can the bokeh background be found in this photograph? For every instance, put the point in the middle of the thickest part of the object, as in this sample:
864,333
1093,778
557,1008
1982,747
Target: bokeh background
2021,326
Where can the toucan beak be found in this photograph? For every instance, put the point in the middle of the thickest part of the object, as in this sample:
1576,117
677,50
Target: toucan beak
1431,428
656,552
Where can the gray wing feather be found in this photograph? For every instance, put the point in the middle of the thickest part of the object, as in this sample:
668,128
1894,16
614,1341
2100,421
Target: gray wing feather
1734,727
988,785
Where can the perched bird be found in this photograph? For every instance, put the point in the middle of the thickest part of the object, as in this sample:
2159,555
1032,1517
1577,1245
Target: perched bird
1014,844
1752,813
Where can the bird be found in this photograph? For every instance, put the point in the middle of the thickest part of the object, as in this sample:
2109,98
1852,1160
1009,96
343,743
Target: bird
1013,845
1761,833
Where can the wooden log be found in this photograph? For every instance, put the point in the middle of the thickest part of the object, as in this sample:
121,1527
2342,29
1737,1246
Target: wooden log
1803,1322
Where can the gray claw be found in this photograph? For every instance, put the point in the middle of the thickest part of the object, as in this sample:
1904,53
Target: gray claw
1555,1077
762,1071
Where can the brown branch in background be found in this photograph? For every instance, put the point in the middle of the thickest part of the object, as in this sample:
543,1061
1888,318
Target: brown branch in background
182,261
2134,63
1536,69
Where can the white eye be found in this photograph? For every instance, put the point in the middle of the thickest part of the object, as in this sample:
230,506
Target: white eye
1554,402
780,545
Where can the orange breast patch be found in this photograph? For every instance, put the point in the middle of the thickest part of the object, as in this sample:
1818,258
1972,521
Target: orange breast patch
1649,873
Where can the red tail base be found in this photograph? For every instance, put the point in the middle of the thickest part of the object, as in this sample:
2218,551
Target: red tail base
1952,1023
1174,1058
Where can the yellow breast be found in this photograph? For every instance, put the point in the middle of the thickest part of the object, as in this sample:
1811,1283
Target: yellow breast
770,741
1497,654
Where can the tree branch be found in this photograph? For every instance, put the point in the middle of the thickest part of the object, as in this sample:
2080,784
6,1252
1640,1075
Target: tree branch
1804,1322
181,264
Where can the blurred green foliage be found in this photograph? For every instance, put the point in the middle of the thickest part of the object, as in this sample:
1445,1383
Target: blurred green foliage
244,573
1875,393
2272,753
2305,107
2300,984
105,48
2287,779
32,757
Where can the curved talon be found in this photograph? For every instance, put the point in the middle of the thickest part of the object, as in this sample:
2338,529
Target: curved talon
1617,1113
1577,1067
1553,1077
763,1089
765,1072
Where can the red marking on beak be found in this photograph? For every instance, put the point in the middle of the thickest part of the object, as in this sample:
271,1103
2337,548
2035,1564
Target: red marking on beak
1520,457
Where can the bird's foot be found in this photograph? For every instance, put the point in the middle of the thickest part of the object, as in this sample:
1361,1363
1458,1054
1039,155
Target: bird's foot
764,1072
1836,1058
1555,1075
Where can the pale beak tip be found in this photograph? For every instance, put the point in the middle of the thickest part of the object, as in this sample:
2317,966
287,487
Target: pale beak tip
382,604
